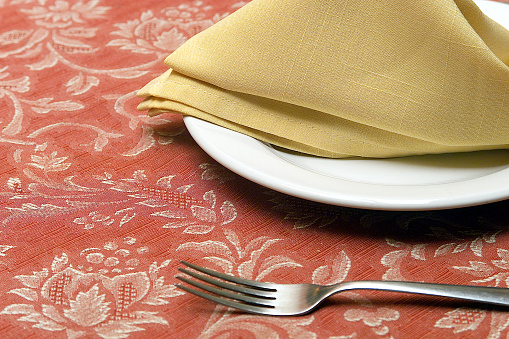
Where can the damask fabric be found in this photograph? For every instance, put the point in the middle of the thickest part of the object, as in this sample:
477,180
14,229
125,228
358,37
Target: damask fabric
347,78
99,203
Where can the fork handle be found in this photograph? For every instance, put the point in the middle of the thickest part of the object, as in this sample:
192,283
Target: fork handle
491,295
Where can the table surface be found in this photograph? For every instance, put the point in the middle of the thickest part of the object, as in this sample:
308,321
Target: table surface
99,203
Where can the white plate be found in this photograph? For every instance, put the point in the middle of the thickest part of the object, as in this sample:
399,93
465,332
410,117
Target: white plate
411,183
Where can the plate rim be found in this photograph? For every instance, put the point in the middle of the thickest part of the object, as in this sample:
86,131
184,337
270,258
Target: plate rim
269,171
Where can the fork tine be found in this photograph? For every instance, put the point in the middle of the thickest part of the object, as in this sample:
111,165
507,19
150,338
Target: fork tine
226,293
227,302
229,286
255,284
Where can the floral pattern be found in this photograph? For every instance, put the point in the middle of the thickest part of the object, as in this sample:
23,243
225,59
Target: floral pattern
95,297
99,203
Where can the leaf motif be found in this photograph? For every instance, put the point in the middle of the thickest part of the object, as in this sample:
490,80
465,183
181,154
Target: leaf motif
89,308
81,84
170,214
320,274
276,262
394,243
161,292
234,240
498,278
224,264
256,253
126,218
43,106
198,229
52,313
476,246
41,322
255,243
49,61
16,309
340,268
151,203
229,212
33,281
246,269
336,273
178,224
126,73
26,293
392,258
476,268
444,249
461,247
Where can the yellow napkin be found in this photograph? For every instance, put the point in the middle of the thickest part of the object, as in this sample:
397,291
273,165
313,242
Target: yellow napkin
339,78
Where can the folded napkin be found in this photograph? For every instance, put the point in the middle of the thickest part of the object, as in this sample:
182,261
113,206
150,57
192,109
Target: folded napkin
341,78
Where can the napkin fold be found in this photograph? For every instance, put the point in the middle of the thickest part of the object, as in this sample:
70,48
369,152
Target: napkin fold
342,78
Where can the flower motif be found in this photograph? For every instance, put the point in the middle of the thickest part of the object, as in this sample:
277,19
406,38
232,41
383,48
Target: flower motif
49,163
62,14
84,302
57,25
148,35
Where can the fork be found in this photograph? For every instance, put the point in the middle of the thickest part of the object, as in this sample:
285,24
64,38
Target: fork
292,299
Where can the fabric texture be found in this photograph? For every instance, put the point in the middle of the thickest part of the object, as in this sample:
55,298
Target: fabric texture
99,203
347,78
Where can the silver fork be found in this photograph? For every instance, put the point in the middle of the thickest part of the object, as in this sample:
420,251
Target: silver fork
291,299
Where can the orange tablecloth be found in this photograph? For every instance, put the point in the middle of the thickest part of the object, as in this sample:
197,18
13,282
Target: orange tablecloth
98,203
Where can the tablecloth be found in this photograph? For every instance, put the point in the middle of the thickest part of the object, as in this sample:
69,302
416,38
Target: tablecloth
99,203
